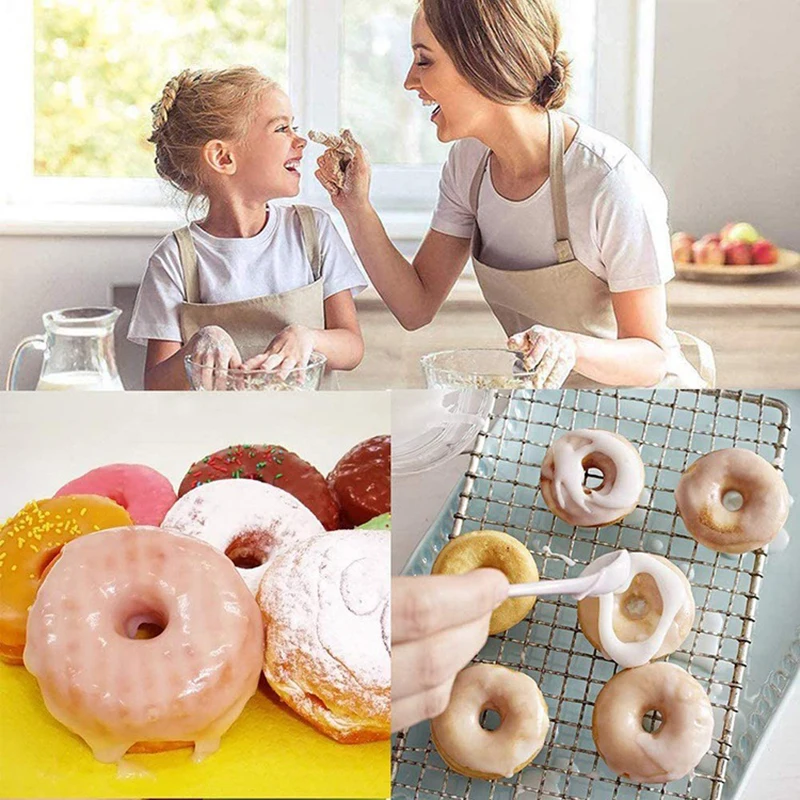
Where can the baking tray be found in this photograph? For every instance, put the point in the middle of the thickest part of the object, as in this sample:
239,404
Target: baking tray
671,428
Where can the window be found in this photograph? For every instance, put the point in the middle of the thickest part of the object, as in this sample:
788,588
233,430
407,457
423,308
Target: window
81,76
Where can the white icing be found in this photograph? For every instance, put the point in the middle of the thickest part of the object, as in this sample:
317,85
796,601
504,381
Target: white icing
221,511
673,593
550,554
567,473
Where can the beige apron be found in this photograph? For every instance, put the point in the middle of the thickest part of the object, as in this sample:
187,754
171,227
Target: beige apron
253,323
568,296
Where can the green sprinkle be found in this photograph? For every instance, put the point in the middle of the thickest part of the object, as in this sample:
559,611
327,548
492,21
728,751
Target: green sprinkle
279,475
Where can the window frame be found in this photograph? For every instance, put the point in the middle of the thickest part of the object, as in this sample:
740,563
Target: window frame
315,36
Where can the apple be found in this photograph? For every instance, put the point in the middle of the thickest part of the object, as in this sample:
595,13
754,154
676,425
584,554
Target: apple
682,247
743,232
736,252
723,234
764,252
708,251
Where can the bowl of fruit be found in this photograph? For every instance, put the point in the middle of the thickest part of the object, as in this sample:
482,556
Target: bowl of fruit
737,252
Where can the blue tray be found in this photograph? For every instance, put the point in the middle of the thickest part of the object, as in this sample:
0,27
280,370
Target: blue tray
743,667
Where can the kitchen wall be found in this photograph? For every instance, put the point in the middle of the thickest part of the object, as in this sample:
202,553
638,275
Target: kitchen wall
727,114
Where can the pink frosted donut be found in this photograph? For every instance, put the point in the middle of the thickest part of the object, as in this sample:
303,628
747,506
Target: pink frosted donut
249,521
185,685
144,493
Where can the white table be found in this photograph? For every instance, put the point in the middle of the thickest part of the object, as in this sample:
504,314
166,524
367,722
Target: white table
417,501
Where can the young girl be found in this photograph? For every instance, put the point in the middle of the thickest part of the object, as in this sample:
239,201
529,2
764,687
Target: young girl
253,284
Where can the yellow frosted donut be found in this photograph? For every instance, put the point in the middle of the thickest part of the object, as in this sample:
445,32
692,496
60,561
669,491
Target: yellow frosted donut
683,738
499,550
702,489
637,612
29,543
466,747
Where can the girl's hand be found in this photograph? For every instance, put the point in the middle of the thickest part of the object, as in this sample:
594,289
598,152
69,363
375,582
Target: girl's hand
213,347
548,353
439,623
291,348
355,192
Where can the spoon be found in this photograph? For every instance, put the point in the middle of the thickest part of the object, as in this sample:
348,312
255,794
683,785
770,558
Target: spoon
604,575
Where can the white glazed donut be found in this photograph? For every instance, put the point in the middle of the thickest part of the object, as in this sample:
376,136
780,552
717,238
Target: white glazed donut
683,738
563,471
466,747
247,520
649,618
325,605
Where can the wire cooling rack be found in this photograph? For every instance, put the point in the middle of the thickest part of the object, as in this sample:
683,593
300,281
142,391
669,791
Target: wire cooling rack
671,428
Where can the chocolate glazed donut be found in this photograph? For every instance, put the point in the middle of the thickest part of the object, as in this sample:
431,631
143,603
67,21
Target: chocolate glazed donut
362,481
269,464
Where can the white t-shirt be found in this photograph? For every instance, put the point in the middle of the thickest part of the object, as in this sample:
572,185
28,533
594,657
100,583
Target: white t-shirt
617,214
271,262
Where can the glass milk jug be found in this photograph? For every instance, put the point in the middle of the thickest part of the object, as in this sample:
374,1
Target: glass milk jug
78,348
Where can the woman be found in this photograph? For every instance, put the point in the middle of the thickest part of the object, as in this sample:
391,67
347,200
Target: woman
566,227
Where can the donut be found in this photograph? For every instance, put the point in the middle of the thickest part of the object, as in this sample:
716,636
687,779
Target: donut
563,472
702,489
29,542
676,747
362,481
466,747
184,686
269,464
248,521
649,619
325,605
470,551
144,493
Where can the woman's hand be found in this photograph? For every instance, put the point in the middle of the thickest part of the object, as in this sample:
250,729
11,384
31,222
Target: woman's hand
354,195
439,623
548,353
291,348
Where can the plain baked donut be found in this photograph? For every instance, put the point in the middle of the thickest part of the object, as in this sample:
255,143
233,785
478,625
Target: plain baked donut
563,474
676,747
702,489
325,604
640,632
248,521
468,748
477,549
187,684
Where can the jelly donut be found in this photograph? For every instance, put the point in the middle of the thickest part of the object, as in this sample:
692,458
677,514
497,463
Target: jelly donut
29,542
466,747
648,619
563,472
501,551
325,605
248,521
144,493
362,481
185,685
703,487
268,464
672,751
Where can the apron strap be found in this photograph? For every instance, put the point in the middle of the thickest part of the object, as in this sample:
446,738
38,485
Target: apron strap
558,190
188,256
308,227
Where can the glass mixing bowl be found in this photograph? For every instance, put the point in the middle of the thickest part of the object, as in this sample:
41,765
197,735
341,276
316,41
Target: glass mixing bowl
475,369
304,379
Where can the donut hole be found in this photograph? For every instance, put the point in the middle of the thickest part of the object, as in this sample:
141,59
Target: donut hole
248,550
635,606
652,721
143,620
598,470
490,719
732,500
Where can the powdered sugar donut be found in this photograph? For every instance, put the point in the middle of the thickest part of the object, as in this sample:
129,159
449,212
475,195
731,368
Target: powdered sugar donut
325,605
563,474
144,493
249,521
118,691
